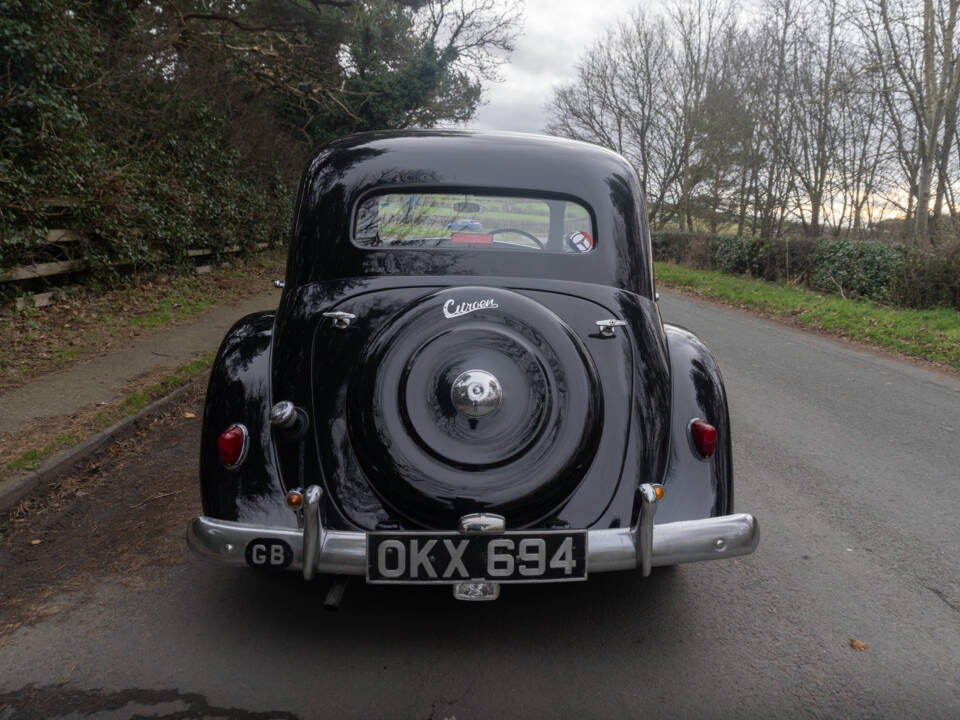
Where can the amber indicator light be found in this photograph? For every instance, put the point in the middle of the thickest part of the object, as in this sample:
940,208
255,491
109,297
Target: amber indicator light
294,500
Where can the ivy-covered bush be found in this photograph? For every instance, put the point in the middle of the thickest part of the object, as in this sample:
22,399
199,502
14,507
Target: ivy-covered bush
44,151
139,167
671,246
738,255
788,259
856,269
179,189
929,279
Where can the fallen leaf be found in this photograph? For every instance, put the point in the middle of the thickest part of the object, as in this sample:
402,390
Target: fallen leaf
36,542
858,645
189,415
115,450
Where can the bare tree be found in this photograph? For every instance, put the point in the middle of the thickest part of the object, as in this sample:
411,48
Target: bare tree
861,147
817,115
812,105
775,183
618,101
913,48
697,24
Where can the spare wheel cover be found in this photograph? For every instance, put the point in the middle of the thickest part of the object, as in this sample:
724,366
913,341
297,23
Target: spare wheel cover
520,451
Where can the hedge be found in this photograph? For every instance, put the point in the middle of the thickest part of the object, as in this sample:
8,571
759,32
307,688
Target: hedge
671,246
149,170
856,269
887,273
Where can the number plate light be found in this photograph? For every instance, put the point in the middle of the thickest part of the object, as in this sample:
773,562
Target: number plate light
476,591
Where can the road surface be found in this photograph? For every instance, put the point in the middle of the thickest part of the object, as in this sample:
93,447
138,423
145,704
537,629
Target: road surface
850,459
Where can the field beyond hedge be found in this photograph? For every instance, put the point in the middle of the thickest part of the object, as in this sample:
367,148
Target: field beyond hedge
932,335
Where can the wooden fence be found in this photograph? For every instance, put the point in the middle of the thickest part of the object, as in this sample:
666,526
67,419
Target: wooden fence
61,269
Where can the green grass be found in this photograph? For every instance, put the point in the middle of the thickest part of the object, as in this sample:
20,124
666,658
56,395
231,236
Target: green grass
932,335
33,458
67,353
186,300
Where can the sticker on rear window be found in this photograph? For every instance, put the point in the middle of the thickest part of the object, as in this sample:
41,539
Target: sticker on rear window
580,241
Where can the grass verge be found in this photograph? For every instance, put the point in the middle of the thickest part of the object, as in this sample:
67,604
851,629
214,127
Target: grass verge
932,335
33,458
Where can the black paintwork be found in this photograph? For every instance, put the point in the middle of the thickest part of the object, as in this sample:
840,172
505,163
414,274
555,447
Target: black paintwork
585,417
345,172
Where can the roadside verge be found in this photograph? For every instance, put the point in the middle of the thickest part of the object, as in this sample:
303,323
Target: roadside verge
14,491
56,418
930,335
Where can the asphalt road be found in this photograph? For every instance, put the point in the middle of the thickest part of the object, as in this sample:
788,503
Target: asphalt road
851,461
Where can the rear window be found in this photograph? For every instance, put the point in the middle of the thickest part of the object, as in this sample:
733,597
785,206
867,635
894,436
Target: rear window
436,220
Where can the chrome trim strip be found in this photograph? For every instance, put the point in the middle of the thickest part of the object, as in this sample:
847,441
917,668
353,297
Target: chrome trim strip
345,553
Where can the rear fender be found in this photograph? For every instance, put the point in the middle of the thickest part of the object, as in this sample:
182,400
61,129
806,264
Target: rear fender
695,488
239,392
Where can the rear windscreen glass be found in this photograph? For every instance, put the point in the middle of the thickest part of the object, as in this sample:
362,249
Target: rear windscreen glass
437,220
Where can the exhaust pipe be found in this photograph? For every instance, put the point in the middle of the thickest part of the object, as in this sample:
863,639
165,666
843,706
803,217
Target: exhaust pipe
336,592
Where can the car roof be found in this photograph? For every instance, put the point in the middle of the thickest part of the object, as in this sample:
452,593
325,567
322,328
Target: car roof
345,171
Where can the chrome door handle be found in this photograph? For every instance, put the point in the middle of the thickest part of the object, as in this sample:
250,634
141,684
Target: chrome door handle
341,320
608,328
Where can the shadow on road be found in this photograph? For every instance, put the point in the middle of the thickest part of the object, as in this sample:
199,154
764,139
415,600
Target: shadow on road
418,615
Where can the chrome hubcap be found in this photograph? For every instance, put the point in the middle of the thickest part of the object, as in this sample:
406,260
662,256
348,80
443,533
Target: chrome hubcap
476,393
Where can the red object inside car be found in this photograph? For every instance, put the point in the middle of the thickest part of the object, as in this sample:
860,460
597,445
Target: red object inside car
472,238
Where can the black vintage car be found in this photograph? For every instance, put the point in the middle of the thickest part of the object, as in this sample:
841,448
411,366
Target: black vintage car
467,381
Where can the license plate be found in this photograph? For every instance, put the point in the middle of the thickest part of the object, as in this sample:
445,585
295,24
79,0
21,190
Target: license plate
509,557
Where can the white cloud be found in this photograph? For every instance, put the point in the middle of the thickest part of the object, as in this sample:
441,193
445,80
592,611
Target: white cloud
555,35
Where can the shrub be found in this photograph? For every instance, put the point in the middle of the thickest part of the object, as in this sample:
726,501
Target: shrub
929,279
737,255
671,245
148,167
856,269
698,252
906,277
788,259
43,151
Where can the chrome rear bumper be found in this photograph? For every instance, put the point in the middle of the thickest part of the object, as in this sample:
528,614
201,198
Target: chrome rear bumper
345,553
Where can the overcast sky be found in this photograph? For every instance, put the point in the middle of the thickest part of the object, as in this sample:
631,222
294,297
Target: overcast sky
555,34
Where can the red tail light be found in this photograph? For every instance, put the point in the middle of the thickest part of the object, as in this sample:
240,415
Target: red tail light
232,445
704,436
